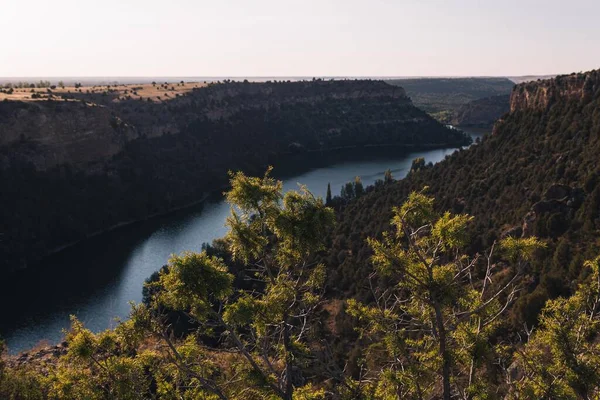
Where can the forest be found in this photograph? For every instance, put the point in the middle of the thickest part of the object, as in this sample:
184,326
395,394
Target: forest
251,317
537,174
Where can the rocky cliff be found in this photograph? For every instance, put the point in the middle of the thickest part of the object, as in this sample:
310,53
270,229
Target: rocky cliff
540,95
73,167
50,133
89,127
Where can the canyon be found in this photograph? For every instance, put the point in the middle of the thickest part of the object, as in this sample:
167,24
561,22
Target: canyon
76,163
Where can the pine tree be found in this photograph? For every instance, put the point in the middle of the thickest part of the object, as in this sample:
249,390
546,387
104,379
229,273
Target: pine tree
328,196
562,357
275,237
435,321
359,189
387,178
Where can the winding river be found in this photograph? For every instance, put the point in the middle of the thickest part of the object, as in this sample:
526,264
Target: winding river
97,279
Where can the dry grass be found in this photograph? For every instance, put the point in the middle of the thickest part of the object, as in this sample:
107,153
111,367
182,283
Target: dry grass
156,93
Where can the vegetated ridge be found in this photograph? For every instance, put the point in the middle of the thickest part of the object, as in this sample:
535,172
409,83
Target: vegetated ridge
481,113
537,174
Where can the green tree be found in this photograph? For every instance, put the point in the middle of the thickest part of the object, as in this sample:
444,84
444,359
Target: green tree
359,189
435,322
268,325
107,365
387,178
417,164
562,358
328,196
347,191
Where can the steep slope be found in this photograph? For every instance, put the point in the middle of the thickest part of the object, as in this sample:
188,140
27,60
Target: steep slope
50,133
481,113
537,174
63,179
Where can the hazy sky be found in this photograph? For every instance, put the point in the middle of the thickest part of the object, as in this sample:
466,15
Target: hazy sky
297,38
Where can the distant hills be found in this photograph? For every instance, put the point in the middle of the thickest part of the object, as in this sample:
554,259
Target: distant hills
129,80
442,97
481,113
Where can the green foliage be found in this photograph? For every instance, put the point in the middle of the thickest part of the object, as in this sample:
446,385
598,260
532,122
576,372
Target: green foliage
192,281
388,178
433,332
267,325
506,182
435,322
524,248
328,195
562,358
359,190
417,164
251,194
351,190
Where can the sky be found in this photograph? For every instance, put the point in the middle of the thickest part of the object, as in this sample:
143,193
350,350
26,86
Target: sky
298,38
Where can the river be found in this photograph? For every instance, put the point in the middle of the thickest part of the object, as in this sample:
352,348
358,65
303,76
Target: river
96,280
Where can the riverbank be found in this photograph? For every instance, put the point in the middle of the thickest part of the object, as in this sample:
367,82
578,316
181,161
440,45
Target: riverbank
214,191
97,278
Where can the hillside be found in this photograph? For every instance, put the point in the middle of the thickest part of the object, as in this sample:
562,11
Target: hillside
481,113
78,164
537,174
443,96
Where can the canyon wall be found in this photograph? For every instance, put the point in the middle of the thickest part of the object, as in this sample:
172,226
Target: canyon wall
50,133
74,167
92,128
541,94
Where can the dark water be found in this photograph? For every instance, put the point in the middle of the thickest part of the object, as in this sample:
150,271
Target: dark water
97,279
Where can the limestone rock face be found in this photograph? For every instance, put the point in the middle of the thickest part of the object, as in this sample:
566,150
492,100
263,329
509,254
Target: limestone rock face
88,129
540,95
52,133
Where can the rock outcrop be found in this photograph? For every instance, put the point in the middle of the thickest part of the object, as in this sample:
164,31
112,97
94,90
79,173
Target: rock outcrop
50,133
539,95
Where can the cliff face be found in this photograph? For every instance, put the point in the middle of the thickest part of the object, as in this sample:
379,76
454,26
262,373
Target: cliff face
542,94
71,168
50,133
89,128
